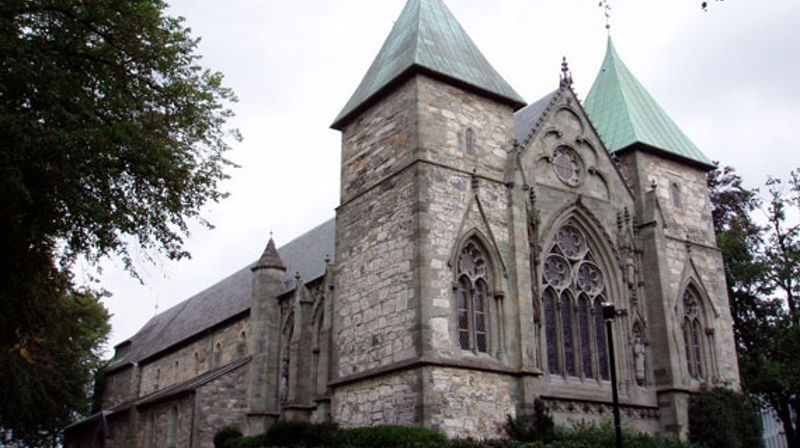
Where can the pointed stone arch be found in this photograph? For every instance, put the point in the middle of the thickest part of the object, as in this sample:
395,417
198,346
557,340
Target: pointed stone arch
578,271
690,276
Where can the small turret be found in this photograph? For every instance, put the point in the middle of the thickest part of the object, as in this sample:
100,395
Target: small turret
268,276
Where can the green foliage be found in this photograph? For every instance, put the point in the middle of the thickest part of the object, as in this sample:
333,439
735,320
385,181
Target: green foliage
297,434
722,418
291,433
604,437
113,137
47,373
762,268
225,434
390,437
538,427
248,442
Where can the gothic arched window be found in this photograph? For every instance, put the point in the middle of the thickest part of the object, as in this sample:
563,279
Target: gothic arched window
693,333
573,290
472,298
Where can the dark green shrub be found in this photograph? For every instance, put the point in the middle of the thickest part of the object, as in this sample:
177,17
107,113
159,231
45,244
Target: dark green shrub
537,427
224,434
300,434
493,443
391,437
604,437
722,418
246,442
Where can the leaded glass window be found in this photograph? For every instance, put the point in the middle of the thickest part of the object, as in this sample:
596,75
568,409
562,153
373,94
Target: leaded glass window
472,294
693,333
573,282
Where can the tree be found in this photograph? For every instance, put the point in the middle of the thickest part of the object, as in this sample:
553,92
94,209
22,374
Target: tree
113,137
761,267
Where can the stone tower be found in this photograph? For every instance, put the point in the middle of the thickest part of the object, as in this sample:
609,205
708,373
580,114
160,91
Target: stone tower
425,139
268,273
689,329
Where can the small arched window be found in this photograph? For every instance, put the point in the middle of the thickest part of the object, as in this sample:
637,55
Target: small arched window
675,192
469,141
472,298
158,379
573,282
693,334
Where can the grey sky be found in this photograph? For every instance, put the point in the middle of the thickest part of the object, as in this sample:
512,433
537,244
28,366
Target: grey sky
729,77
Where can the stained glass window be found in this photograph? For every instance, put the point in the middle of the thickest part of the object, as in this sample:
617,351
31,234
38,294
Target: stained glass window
585,340
575,333
600,332
472,296
551,332
693,334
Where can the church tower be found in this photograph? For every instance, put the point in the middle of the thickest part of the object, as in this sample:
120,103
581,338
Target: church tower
689,324
425,139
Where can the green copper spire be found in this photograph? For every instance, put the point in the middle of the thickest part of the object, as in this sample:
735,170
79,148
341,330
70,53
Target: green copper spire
427,38
624,113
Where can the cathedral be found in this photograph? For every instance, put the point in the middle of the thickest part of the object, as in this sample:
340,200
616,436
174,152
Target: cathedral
476,240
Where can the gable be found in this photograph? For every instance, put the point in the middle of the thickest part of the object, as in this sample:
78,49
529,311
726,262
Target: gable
561,149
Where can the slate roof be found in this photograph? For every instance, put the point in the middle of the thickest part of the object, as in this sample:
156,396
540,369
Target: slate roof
228,297
527,119
624,113
427,38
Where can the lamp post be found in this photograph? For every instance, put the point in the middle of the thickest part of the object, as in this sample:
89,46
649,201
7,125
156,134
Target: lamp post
609,313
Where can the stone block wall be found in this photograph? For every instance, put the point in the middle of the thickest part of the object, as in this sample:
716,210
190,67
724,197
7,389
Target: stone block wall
221,403
166,425
445,113
375,310
379,142
469,403
118,387
209,352
391,399
682,193
572,413
449,213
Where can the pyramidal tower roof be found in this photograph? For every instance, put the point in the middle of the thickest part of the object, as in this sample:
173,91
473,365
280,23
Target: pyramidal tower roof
269,258
624,113
427,38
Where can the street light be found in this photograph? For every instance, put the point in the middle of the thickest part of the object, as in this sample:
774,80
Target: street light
609,313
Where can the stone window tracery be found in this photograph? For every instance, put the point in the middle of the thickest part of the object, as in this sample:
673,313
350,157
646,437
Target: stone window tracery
573,290
568,165
472,298
693,334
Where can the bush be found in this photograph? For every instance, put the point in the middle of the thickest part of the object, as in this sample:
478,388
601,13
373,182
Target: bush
224,434
722,418
300,434
246,442
538,427
391,437
605,437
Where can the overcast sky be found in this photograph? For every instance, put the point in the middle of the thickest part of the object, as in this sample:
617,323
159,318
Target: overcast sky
729,77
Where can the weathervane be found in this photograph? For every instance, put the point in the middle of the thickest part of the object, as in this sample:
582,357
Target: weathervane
607,12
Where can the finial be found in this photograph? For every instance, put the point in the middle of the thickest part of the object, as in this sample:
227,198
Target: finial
327,258
607,12
474,178
566,75
270,234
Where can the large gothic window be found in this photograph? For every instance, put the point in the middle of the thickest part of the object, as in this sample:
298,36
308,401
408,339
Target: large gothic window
693,333
472,298
573,290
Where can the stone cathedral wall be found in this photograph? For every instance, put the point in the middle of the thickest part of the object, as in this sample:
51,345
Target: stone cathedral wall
218,348
390,399
469,403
